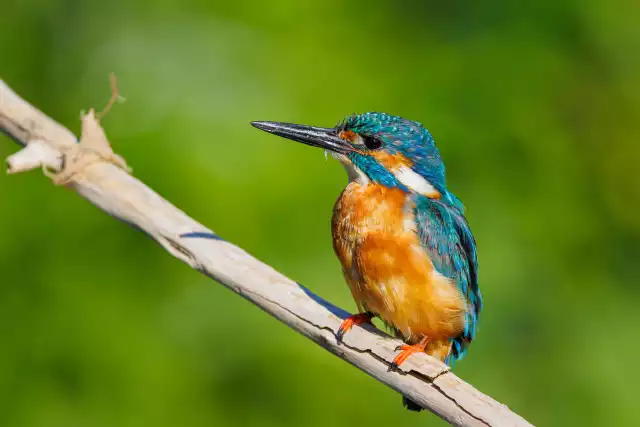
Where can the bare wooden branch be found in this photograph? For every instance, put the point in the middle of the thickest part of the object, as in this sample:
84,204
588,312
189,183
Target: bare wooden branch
97,174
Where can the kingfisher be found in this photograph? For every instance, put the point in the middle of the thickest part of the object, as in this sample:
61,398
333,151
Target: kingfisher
407,252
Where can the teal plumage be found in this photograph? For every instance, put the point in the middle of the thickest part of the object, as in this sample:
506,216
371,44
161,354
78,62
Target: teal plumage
444,232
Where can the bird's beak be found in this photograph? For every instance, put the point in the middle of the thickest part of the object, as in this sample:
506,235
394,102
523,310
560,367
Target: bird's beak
325,138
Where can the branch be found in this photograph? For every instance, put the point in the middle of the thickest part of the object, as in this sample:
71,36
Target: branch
92,169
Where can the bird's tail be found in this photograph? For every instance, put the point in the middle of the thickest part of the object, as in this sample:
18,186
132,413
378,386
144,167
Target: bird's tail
410,404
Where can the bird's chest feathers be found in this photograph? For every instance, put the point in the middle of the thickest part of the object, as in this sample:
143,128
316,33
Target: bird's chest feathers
365,209
386,267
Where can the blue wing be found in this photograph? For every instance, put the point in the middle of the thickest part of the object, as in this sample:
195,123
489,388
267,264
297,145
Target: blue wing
443,231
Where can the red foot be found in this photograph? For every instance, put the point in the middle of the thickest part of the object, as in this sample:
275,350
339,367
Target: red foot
408,350
349,322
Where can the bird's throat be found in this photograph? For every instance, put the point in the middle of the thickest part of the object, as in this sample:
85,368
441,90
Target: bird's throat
354,173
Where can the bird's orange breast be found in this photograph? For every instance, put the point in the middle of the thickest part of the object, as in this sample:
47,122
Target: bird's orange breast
386,267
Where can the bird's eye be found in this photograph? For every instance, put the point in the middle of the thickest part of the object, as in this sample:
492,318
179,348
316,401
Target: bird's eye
371,143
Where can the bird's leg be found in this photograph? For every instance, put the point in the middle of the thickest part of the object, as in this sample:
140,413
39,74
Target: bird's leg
354,319
408,350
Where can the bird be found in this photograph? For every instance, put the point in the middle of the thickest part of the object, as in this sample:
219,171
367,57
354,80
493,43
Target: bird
406,249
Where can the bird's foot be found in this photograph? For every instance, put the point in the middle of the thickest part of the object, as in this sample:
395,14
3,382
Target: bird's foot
407,350
354,319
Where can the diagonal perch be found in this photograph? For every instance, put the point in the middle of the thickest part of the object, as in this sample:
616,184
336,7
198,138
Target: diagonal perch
105,182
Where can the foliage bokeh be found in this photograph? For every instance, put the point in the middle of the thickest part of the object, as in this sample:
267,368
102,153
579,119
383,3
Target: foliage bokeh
534,105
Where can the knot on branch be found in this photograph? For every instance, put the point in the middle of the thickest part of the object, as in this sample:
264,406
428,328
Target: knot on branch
65,163
92,148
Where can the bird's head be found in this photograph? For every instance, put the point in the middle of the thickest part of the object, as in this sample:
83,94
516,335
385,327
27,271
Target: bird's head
379,148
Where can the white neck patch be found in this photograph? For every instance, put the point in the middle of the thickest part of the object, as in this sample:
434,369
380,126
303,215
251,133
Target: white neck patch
354,173
415,182
407,177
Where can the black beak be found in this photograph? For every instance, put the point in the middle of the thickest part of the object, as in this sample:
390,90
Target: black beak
325,138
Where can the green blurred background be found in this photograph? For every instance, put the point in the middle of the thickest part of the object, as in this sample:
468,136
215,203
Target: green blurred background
534,105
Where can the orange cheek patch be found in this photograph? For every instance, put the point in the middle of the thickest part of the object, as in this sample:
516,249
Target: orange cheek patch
391,161
348,135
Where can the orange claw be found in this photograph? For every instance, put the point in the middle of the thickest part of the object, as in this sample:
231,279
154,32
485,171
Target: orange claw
408,350
354,319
